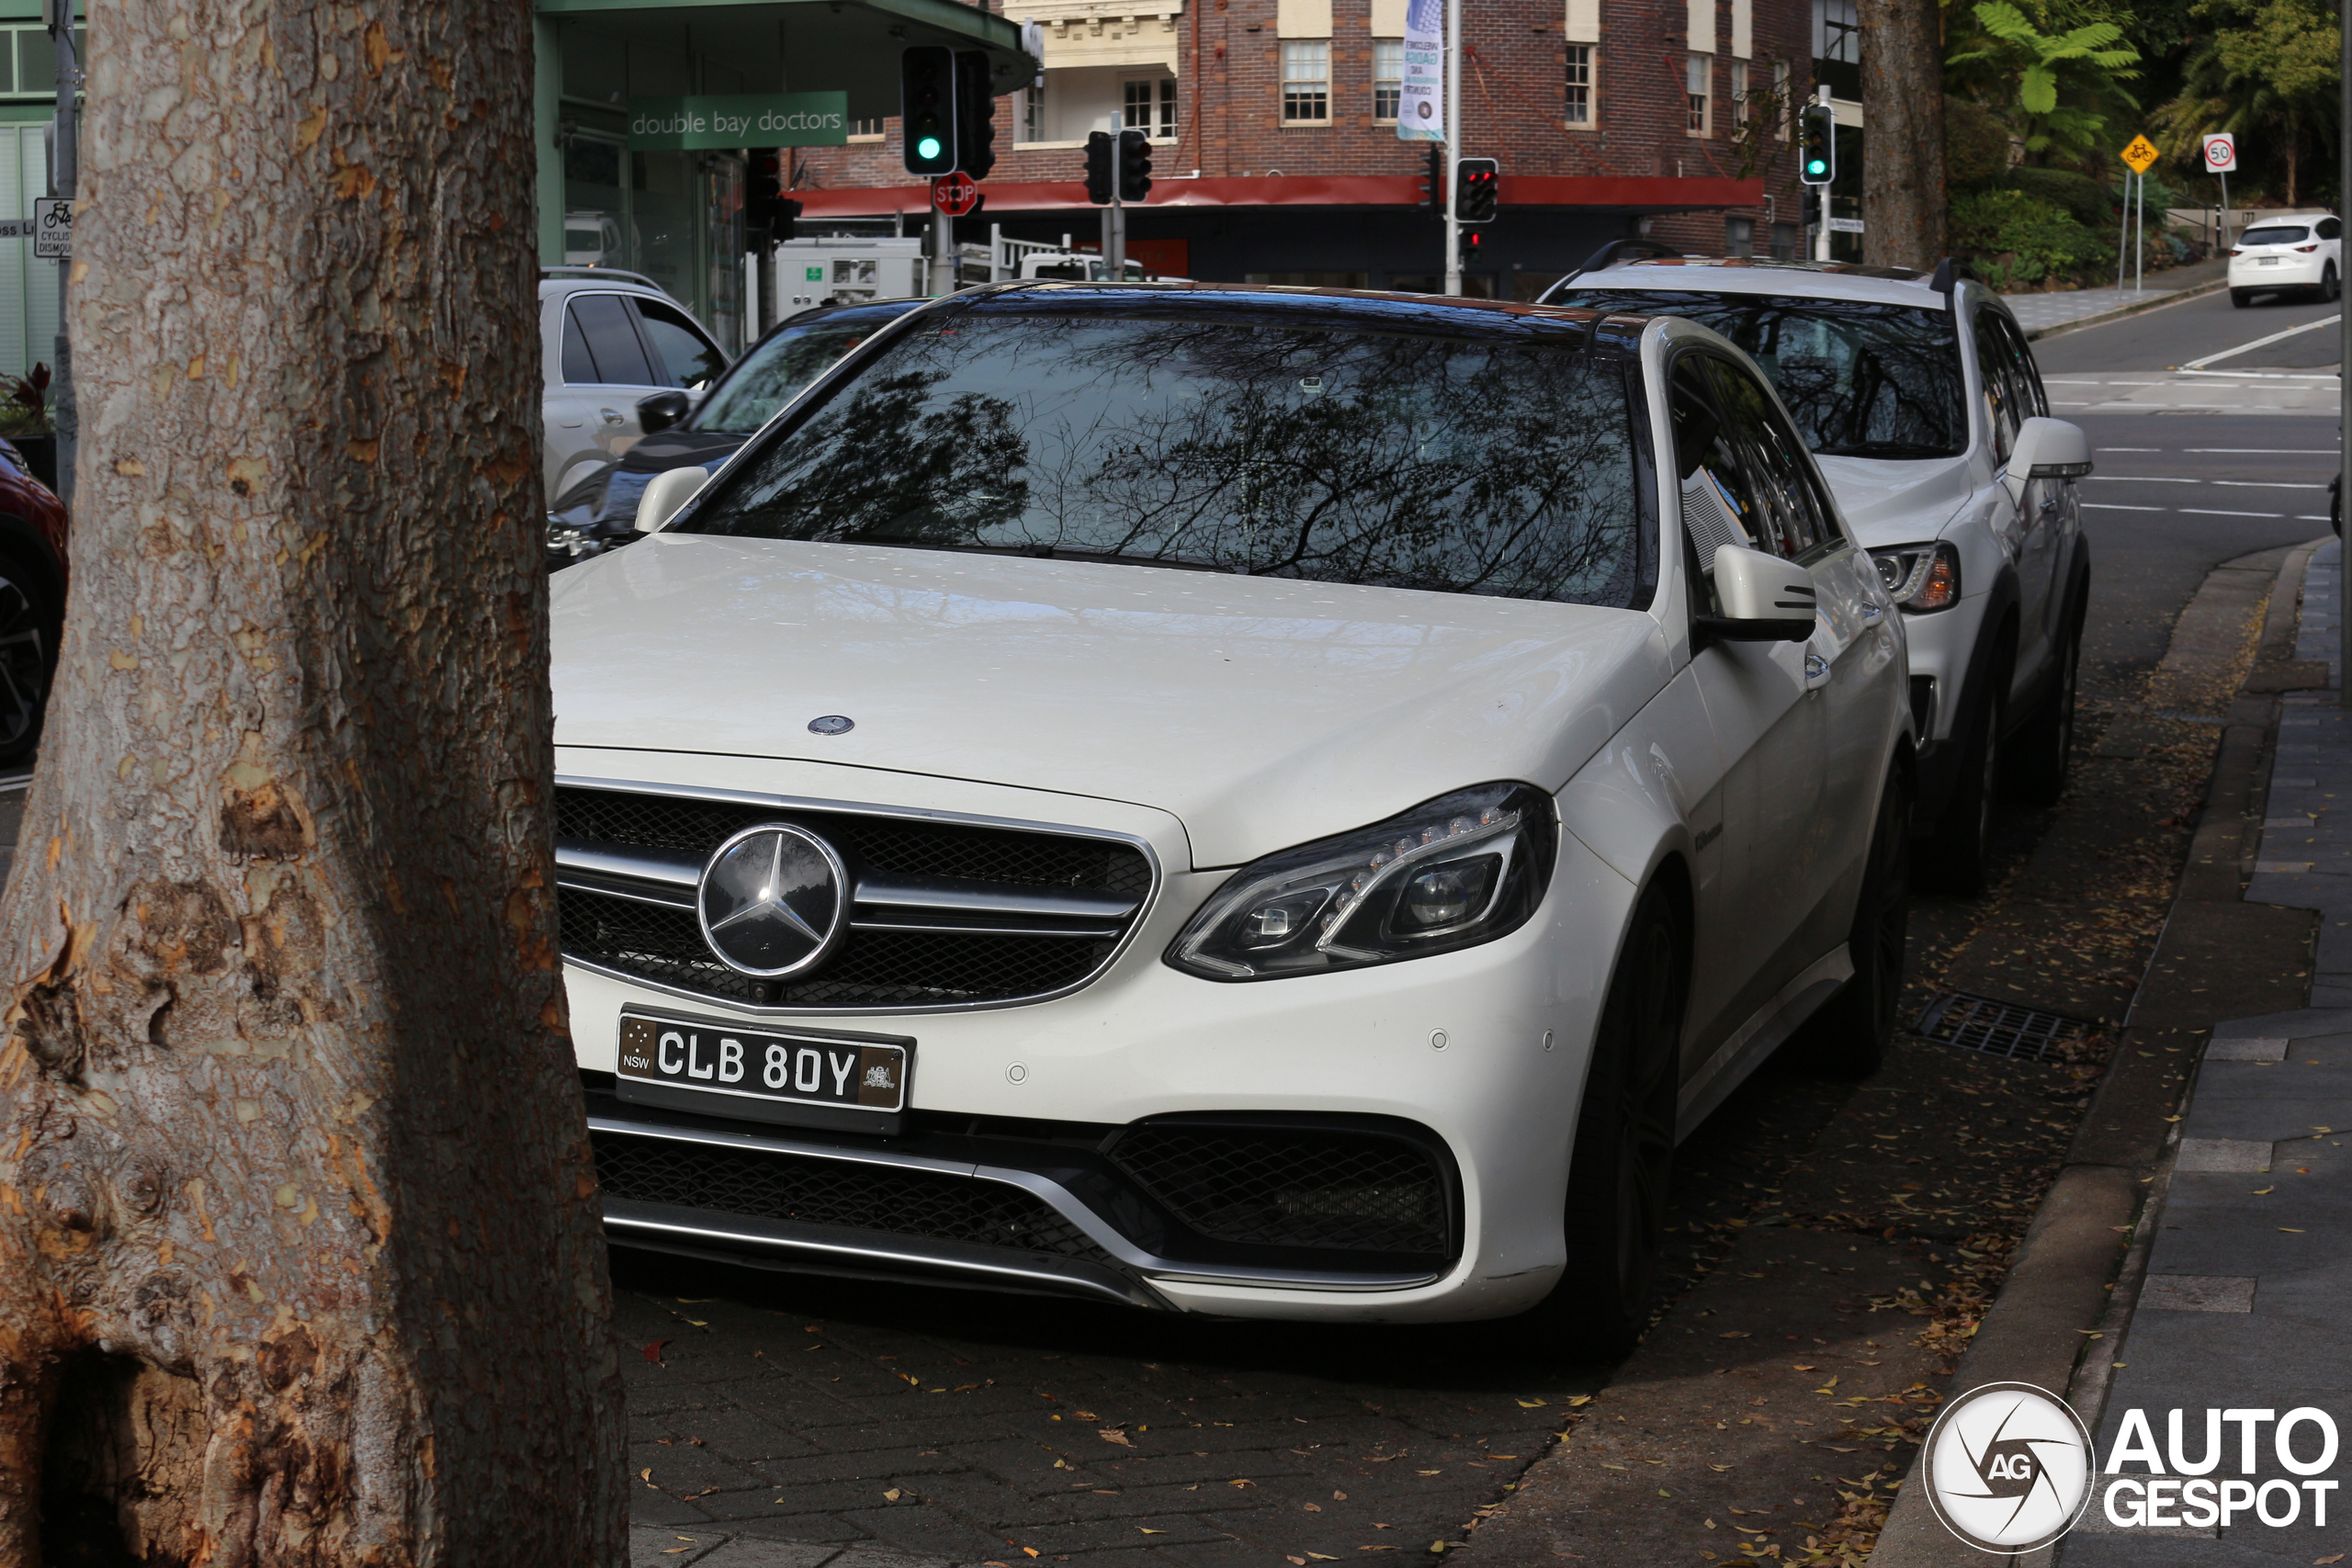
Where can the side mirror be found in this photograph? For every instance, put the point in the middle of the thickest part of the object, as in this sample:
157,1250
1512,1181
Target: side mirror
670,490
2047,449
1764,598
661,411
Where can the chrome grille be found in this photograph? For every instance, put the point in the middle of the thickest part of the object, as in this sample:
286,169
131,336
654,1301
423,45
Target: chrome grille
944,914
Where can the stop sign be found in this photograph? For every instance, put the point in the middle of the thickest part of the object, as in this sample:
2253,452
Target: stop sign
954,194
2221,153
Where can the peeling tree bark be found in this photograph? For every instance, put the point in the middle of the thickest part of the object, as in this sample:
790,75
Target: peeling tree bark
298,1250
1903,200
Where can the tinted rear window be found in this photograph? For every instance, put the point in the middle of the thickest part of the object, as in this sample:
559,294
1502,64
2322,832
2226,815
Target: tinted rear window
1861,380
2276,234
1332,455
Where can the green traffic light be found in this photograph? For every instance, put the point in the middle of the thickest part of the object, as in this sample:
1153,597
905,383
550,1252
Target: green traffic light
928,147
1814,167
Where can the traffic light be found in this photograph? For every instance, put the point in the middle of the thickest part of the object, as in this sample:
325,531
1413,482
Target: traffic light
1473,194
1809,215
1817,145
1434,183
763,197
1470,246
927,108
1101,153
975,115
1135,165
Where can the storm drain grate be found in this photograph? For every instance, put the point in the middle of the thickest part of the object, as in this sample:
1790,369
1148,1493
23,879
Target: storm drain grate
1996,1028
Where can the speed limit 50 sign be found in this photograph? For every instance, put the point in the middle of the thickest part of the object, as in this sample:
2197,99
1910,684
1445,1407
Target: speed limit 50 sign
2221,153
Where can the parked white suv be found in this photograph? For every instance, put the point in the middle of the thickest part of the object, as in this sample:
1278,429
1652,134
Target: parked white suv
608,339
1921,400
1270,803
2294,253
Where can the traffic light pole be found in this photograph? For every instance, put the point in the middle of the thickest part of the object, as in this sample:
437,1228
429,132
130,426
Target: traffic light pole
1452,144
943,254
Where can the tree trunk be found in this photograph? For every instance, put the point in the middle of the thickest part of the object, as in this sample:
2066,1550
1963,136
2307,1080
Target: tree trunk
300,1261
1902,133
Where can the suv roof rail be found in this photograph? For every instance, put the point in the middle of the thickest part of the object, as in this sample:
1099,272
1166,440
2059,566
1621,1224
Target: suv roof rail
1610,252
601,272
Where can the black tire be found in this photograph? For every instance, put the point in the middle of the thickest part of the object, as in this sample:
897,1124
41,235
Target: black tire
1850,1034
2329,285
1624,1158
1958,859
2240,297
2042,751
29,618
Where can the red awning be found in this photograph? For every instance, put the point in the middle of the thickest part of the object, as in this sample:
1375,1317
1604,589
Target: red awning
1650,193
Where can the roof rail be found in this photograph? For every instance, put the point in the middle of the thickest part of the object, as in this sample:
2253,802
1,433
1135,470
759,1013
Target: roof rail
612,272
1949,272
1610,252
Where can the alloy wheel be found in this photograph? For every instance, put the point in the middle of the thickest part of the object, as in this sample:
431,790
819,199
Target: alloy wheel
24,668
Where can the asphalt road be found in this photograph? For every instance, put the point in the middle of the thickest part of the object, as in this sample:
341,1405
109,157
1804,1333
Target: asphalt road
2197,329
1005,1429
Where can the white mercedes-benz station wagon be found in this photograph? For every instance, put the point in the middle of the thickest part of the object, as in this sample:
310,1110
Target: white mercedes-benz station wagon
1278,803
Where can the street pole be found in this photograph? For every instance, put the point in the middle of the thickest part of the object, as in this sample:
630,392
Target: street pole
1821,233
1115,235
2124,232
943,248
2140,239
65,176
1452,144
2344,366
2225,212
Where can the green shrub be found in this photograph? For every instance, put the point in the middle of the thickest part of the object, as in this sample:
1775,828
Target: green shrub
2017,238
2086,200
1977,145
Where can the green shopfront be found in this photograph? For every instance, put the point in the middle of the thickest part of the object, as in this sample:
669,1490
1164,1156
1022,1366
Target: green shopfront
28,104
646,113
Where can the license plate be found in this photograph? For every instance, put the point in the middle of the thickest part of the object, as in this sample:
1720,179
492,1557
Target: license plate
723,1069
2267,261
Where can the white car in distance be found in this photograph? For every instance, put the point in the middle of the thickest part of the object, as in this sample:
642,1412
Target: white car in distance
608,341
1258,802
2300,254
1920,399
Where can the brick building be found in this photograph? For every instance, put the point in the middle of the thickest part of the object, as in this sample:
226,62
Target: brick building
1276,157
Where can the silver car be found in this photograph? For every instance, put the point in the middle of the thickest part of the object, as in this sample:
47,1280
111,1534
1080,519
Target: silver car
609,339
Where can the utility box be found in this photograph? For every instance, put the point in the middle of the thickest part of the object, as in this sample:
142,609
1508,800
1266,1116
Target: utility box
844,270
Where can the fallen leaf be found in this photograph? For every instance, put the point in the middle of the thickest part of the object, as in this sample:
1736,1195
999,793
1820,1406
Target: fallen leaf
2291,1230
1339,1497
1086,1415
1312,1507
1030,1550
1531,1405
1719,1468
1801,1367
892,1495
1734,1334
2323,1562
1433,1472
653,1352
1664,1493
2264,1191
1322,1557
1605,1464
1112,1435
2090,1333
1300,1561
1581,1399
645,1475
1151,1531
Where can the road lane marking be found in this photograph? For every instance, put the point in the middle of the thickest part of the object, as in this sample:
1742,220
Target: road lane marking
2200,512
2265,484
2265,342
2250,451
2116,506
2146,480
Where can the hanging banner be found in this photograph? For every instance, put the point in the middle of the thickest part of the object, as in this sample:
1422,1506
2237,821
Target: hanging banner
742,119
1421,105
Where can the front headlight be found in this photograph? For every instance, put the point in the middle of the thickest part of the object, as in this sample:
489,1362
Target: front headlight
1920,578
1462,869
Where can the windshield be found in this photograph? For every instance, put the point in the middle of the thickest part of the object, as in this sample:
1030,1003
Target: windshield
2277,234
1224,443
1861,380
778,367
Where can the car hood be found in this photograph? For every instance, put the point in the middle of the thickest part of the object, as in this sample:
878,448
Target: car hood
1887,502
1260,712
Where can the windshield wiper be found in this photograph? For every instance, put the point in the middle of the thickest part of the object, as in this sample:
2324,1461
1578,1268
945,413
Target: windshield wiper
1889,449
1042,552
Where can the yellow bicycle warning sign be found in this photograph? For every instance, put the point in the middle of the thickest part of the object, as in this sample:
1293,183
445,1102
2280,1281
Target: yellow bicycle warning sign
2141,155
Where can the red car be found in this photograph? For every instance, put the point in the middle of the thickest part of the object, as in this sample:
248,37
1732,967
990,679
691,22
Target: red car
32,602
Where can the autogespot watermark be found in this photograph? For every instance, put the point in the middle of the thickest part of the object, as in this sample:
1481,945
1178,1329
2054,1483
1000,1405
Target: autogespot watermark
2009,1468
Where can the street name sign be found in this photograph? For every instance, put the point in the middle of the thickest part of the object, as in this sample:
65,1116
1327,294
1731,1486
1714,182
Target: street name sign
2141,155
2221,153
737,119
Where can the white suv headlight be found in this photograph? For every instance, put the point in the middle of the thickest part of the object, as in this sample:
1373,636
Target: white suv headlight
1920,578
1462,869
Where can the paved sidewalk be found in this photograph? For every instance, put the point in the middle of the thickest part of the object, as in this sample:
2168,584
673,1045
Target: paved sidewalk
2040,313
2246,1305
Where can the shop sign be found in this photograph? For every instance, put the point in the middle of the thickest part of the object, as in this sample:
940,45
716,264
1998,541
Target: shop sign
739,119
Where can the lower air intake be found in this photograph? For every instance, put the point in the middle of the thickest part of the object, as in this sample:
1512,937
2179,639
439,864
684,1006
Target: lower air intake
1281,1187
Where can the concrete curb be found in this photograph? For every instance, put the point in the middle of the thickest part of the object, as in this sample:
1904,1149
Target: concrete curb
2155,302
2073,1283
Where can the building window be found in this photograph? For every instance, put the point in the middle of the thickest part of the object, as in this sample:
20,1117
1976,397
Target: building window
1783,110
1579,102
1696,83
1739,236
1306,80
1739,92
1387,77
1151,107
866,127
1032,114
1840,31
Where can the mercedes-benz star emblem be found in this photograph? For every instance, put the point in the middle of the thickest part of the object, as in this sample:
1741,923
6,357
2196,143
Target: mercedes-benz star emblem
773,900
831,724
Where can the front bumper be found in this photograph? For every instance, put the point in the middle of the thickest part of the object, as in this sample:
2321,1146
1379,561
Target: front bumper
1477,1057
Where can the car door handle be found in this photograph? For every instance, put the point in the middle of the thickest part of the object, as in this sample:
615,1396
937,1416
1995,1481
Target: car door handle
614,416
1817,671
